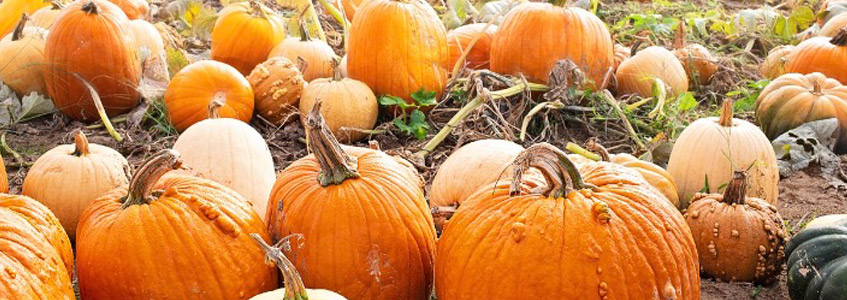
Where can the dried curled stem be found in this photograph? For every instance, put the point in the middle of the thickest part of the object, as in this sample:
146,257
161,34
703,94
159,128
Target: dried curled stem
141,184
736,190
559,172
336,165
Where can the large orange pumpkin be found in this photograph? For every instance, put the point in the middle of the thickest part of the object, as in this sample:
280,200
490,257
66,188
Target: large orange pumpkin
43,220
91,41
244,34
534,36
317,55
350,7
192,90
596,232
398,47
460,38
171,237
370,234
821,54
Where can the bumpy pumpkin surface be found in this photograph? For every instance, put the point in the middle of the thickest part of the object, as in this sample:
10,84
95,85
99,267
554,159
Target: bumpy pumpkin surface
459,39
244,34
193,89
22,56
821,54
774,64
636,75
43,220
278,85
817,260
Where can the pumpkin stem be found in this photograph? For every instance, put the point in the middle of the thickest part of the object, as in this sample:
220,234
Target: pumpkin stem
560,3
726,114
816,88
576,149
635,48
19,30
679,40
141,184
336,72
840,39
294,287
216,104
80,144
336,165
595,146
91,8
736,190
301,24
554,164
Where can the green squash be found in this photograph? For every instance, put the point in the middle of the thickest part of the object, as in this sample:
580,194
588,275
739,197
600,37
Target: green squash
817,260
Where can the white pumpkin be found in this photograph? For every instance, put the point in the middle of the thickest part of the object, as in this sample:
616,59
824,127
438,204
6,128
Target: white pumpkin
472,166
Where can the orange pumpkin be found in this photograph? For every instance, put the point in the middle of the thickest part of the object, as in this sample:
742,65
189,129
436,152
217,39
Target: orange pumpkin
821,54
350,7
244,34
317,55
22,55
11,11
460,38
43,220
277,84
349,106
4,178
774,64
534,36
171,237
195,86
91,41
45,17
584,234
333,197
398,48
134,9
636,75
698,62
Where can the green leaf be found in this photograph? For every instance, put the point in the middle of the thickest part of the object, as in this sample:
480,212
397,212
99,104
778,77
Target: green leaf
389,100
402,125
687,102
176,60
803,16
424,98
417,121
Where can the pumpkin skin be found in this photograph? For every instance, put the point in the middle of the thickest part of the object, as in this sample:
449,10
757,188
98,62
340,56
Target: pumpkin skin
4,178
347,103
817,262
622,53
194,87
833,25
340,253
147,36
317,54
699,63
22,54
134,9
100,48
821,54
635,75
794,99
588,230
350,7
739,238
45,17
11,11
469,168
460,38
774,64
244,34
173,222
294,288
278,85
534,36
692,165
68,178
43,220
398,48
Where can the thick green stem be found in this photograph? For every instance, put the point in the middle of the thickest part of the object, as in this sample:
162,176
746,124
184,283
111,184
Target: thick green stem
736,190
560,173
336,165
294,287
80,144
141,184
576,149
101,111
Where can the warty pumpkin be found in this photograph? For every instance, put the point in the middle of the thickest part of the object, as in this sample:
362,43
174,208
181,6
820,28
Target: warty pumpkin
460,38
11,11
244,34
398,47
698,62
22,56
91,42
190,232
534,36
46,224
194,87
821,54
231,153
317,55
637,74
277,84
369,232
817,260
739,238
710,149
584,233
795,99
349,106
134,9
68,178
46,16
774,64
294,287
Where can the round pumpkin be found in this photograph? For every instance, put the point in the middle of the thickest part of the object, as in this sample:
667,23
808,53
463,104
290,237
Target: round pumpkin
821,54
795,99
294,287
349,106
817,260
91,42
171,237
277,84
317,55
134,9
370,233
398,47
739,238
636,75
622,53
469,168
699,64
834,24
774,64
22,56
45,17
710,149
148,37
572,239
534,36
194,87
460,38
69,177
244,34
11,11
46,224
231,153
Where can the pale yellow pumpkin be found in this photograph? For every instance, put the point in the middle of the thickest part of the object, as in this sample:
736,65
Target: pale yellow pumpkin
22,59
636,75
349,106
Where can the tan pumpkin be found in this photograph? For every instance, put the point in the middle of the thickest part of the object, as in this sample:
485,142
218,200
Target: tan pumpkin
69,177
148,37
469,168
637,74
244,34
42,219
774,64
317,55
622,53
134,9
45,17
710,149
294,287
833,25
278,85
349,106
460,38
22,58
698,62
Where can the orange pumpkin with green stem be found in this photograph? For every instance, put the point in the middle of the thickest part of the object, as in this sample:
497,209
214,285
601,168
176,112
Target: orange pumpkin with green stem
192,90
244,34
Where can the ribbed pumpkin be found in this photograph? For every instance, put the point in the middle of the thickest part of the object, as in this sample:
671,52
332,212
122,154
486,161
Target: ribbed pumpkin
22,56
710,149
821,54
795,99
45,17
192,90
369,232
4,178
349,106
11,11
460,38
171,237
817,260
774,64
469,168
610,236
398,47
231,153
32,267
636,74
148,37
277,84
739,238
622,53
834,25
69,177
317,55
244,34
134,9
534,36
43,220
92,40
294,287
698,62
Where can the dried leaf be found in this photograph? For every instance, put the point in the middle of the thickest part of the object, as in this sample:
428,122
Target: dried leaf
14,110
808,143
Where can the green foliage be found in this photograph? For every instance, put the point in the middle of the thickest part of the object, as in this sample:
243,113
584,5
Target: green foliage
745,96
158,115
414,122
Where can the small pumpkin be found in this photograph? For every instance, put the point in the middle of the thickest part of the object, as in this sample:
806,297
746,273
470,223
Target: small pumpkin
148,37
821,54
349,106
231,153
45,17
11,11
294,287
69,177
278,85
134,9
817,260
698,62
186,230
774,64
739,238
192,90
795,99
22,54
316,54
622,53
637,74
244,34
345,190
460,38
710,149
46,224
595,219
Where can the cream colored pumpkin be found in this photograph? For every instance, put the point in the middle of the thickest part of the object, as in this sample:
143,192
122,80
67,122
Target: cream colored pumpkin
472,166
22,58
349,106
69,177
636,74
